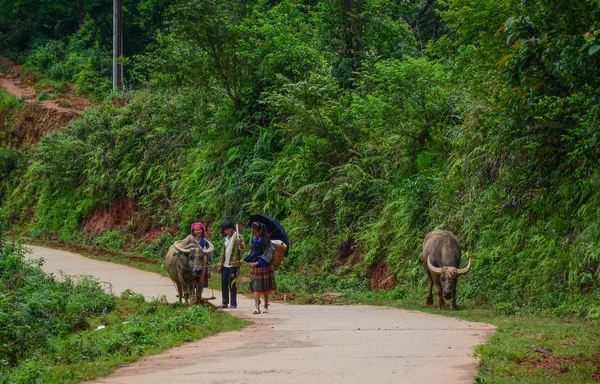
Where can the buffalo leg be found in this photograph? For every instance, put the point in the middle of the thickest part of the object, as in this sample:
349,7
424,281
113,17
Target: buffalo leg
197,289
200,288
429,300
453,300
179,292
198,294
440,292
186,294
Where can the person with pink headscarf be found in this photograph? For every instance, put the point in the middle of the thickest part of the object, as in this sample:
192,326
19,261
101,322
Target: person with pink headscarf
199,233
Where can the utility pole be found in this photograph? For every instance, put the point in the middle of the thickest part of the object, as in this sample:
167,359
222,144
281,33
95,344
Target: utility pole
117,44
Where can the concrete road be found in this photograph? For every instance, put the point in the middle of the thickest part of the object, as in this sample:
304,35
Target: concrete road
297,343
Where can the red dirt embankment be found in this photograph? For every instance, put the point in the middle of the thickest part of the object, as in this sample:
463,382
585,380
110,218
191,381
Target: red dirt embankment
38,118
116,216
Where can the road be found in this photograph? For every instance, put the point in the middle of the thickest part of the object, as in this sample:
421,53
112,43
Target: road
296,343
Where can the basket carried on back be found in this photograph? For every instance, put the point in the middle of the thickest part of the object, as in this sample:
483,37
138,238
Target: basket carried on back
278,254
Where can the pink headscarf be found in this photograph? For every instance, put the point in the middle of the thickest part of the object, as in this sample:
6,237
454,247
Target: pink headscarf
199,225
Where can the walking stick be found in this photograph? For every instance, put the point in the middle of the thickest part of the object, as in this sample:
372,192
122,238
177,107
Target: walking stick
239,274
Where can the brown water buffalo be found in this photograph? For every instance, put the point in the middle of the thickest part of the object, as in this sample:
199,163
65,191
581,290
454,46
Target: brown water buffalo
441,258
186,262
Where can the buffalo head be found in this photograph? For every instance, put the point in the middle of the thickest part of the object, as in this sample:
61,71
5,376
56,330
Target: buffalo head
448,277
193,258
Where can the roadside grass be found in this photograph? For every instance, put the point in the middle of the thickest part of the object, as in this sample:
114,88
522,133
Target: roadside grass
527,347
530,349
136,328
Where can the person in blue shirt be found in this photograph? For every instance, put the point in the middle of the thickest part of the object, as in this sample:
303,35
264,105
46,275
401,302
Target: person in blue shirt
262,279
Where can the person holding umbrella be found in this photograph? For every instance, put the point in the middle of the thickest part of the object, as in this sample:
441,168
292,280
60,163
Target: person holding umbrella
262,279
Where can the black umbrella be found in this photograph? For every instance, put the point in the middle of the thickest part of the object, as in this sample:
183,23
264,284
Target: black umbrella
274,227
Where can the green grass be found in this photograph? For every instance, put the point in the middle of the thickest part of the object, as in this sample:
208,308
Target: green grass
43,95
9,106
54,87
528,349
136,328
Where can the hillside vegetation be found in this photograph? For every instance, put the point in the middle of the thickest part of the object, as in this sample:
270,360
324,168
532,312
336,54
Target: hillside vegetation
362,125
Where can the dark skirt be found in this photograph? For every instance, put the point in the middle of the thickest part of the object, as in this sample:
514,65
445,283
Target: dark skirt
262,280
205,277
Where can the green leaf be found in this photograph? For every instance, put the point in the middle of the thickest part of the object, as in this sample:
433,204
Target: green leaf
594,48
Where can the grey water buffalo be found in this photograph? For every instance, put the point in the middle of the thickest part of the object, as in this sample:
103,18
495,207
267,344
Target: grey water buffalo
441,258
186,263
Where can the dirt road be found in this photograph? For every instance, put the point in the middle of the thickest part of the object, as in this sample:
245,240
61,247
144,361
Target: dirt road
297,343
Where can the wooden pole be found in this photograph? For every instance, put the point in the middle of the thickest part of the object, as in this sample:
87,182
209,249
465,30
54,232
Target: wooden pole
117,44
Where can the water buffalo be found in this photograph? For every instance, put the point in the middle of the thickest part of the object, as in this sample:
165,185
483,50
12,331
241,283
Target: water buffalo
186,262
441,258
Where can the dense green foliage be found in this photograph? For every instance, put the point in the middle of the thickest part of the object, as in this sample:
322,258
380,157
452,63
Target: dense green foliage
35,307
362,125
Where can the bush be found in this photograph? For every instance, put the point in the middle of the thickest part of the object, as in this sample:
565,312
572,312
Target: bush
10,105
44,95
44,56
35,307
81,61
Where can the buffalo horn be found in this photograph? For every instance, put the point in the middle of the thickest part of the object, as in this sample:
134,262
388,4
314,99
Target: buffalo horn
210,248
184,251
433,269
464,270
